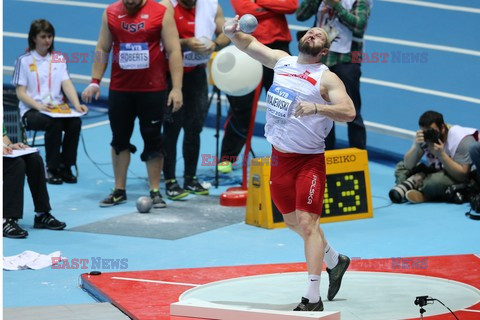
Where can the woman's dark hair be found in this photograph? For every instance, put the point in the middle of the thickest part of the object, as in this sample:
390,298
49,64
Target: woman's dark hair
430,117
36,27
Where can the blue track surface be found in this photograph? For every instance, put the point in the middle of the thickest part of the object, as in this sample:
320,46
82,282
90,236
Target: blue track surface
396,230
439,70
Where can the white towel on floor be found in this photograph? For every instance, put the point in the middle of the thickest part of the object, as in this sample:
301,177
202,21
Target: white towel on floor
30,260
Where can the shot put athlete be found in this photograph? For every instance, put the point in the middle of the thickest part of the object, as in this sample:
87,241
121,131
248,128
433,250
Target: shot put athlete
303,102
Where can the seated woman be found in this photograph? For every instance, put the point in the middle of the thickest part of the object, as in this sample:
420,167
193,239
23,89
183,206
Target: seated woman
14,172
40,76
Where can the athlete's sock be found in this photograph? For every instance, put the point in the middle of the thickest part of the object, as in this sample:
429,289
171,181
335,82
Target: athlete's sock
313,291
331,257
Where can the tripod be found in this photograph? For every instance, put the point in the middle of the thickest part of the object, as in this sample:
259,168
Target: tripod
217,92
422,311
421,302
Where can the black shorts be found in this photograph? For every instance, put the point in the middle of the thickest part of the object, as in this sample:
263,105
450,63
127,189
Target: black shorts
124,108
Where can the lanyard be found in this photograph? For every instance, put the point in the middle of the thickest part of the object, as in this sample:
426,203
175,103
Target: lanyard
49,75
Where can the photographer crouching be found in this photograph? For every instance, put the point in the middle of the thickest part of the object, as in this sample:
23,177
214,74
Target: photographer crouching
475,198
446,175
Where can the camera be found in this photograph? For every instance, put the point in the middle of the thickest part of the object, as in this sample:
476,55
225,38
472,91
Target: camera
431,135
475,203
462,192
397,193
475,207
422,301
457,193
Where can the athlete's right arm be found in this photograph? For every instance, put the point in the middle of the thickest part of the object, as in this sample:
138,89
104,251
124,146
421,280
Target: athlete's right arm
171,43
100,60
251,46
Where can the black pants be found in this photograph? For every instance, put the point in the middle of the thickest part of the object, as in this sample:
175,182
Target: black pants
124,108
190,117
14,171
238,121
57,151
350,74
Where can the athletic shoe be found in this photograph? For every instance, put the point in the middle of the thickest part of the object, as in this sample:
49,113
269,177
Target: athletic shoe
415,196
174,191
225,167
47,221
305,305
335,276
192,185
12,230
116,197
157,200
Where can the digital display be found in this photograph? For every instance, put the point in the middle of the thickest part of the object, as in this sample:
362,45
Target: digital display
345,193
347,190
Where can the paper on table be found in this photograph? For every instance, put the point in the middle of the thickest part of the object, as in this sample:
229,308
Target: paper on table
72,114
19,153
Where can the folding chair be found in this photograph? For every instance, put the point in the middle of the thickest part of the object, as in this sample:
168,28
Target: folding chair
16,130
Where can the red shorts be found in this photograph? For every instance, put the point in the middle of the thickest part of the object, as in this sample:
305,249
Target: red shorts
297,181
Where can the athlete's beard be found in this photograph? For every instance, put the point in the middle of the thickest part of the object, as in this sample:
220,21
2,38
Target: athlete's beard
305,48
133,7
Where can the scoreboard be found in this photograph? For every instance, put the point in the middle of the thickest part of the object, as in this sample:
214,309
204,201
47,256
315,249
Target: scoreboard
347,191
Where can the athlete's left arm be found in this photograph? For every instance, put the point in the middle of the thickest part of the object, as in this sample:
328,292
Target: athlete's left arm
251,46
172,47
333,90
